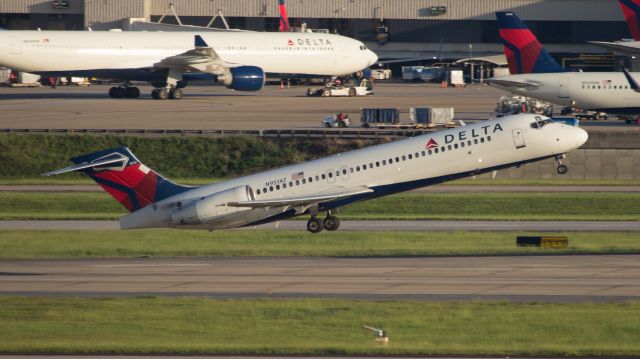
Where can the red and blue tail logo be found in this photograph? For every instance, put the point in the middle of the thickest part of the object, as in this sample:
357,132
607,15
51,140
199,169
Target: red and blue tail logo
284,19
631,11
524,52
130,182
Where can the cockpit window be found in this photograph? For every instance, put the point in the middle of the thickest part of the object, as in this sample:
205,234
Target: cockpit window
362,47
540,123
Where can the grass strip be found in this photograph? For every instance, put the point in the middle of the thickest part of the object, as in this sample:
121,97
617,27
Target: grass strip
414,206
157,243
315,327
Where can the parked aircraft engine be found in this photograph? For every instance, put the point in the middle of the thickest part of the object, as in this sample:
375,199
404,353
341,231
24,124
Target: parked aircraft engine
212,208
244,78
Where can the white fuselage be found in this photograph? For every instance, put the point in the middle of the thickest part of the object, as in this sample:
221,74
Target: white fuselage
385,169
607,91
281,53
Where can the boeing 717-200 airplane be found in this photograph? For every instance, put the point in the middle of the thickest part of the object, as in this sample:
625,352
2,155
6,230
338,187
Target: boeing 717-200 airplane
324,185
239,59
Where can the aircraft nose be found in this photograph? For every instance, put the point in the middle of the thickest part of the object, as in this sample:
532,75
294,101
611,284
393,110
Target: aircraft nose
581,137
373,58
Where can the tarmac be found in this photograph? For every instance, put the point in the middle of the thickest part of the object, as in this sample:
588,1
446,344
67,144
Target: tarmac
369,226
213,107
550,278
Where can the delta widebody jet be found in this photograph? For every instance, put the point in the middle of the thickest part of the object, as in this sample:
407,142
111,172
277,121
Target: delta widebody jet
536,74
631,11
324,185
241,60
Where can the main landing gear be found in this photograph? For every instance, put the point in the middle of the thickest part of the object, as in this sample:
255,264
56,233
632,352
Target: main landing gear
171,89
562,169
330,223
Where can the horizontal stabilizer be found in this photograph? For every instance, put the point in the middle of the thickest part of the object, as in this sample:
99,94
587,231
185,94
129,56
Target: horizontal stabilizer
85,165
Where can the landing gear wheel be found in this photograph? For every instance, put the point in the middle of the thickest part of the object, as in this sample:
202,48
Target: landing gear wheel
154,94
162,94
331,223
562,169
176,94
352,92
117,92
315,225
326,93
132,92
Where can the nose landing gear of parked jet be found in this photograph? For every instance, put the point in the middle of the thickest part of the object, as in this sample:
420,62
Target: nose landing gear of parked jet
562,169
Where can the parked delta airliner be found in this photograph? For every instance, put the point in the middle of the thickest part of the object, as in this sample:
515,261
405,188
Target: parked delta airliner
324,185
536,74
631,11
238,59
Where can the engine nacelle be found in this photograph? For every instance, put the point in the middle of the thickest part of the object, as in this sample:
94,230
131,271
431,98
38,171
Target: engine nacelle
244,78
212,208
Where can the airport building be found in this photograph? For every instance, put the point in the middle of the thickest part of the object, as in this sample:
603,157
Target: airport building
442,29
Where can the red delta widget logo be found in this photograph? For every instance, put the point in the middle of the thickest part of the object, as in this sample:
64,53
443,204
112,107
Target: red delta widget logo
291,43
431,144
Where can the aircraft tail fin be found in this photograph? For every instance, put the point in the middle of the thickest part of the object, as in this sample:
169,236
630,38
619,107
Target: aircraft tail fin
524,52
284,19
631,11
124,177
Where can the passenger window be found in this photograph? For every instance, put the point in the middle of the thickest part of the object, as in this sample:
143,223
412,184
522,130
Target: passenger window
488,138
317,178
271,189
258,191
424,153
455,145
297,182
430,152
482,139
290,184
404,158
310,179
351,169
344,171
410,156
284,185
384,162
323,176
436,150
442,149
377,164
449,147
358,168
278,187
304,181
264,190
397,159
469,142
475,141
330,174
390,160
461,144
371,165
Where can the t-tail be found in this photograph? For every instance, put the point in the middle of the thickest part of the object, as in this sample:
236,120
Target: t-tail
284,19
631,11
524,52
124,177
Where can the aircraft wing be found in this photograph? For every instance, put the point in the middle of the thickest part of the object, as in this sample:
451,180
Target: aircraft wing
513,84
203,58
624,47
304,202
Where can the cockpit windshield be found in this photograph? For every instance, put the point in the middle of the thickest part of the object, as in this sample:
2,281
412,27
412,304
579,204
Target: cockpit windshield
540,123
362,47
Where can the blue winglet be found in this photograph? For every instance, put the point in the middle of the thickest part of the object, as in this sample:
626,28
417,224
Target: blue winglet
200,42
632,82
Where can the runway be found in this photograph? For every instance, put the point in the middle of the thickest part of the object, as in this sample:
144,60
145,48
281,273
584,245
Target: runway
516,278
365,226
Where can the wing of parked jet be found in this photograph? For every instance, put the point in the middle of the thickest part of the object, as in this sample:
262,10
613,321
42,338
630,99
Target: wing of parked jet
303,202
623,47
203,58
514,84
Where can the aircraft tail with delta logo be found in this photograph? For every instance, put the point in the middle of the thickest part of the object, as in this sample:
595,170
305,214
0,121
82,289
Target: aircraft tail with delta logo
631,11
524,52
124,177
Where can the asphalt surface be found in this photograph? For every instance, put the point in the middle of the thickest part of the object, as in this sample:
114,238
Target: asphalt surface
363,226
574,278
213,107
429,189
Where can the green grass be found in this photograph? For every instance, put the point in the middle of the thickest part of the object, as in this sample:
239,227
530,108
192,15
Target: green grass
315,327
412,206
158,243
